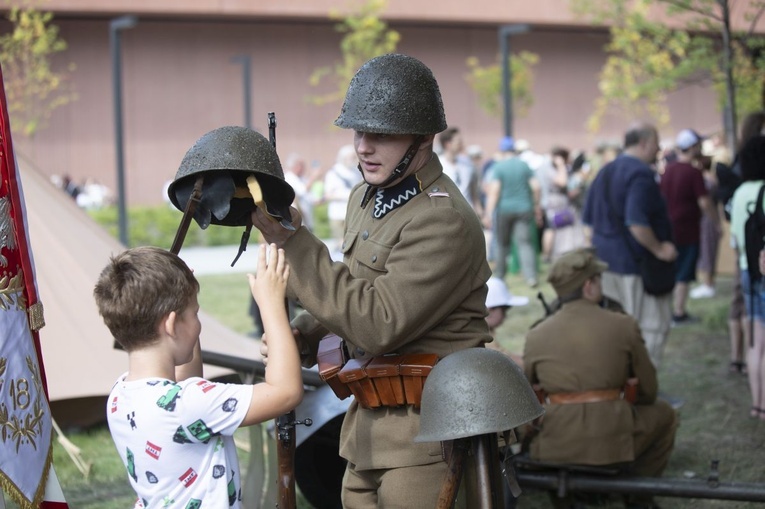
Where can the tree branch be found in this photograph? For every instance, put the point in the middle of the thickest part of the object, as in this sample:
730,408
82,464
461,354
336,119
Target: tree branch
756,19
688,7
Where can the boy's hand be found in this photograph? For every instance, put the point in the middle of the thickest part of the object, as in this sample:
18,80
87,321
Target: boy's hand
269,284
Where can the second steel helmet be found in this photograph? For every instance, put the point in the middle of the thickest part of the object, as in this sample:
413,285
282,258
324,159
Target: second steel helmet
227,156
473,392
393,94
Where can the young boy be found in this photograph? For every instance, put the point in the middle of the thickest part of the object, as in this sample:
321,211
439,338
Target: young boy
172,428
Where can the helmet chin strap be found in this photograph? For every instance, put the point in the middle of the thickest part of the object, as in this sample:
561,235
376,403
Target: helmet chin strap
403,165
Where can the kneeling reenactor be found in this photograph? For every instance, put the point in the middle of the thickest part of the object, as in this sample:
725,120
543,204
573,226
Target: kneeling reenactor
581,358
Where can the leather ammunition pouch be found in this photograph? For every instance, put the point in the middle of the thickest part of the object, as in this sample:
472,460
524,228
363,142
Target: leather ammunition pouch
386,380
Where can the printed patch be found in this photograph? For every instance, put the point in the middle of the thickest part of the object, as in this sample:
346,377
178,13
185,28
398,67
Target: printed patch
188,477
205,385
153,450
229,405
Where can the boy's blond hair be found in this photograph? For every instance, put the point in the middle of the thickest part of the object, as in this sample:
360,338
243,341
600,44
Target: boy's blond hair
138,288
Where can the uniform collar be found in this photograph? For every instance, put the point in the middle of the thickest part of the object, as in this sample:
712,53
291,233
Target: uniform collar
390,198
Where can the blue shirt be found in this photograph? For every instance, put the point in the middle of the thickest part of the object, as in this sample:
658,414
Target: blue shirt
635,200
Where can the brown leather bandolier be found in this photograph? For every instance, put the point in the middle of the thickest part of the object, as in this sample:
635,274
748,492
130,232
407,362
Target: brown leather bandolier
627,393
386,380
331,358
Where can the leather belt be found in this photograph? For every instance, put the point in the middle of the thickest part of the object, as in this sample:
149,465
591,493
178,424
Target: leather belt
565,398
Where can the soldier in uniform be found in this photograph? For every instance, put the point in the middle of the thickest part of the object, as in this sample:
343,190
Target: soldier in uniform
413,279
582,356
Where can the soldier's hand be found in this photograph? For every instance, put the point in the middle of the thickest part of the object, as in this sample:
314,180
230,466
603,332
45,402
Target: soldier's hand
264,344
272,231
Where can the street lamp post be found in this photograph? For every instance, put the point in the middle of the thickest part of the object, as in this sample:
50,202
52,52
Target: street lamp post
505,31
115,27
246,87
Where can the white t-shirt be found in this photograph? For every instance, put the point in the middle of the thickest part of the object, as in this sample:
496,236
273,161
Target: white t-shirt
460,173
338,183
176,440
303,197
742,203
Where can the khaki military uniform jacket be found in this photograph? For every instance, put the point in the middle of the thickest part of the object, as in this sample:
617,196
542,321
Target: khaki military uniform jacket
583,347
412,281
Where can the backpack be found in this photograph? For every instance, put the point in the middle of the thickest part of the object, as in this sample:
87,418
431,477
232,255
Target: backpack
754,236
754,242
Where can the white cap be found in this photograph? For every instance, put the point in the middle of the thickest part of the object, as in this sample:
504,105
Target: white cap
499,295
474,151
687,138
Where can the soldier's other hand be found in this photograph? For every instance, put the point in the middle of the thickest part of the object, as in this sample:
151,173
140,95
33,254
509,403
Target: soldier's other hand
264,344
667,252
272,231
264,349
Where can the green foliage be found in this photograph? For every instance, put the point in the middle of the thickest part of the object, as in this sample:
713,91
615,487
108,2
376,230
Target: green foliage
366,36
647,59
321,222
486,82
156,226
33,89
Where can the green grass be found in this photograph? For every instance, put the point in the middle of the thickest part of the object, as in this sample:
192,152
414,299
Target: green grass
714,422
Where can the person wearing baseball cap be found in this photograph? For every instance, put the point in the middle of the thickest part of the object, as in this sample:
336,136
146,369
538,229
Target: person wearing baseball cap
582,357
687,139
683,188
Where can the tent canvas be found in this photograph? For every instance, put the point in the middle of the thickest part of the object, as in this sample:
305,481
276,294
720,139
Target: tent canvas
70,250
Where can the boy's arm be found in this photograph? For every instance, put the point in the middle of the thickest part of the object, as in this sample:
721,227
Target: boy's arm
190,369
282,389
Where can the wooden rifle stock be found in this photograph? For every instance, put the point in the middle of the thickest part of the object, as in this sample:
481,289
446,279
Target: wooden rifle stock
285,424
455,467
285,454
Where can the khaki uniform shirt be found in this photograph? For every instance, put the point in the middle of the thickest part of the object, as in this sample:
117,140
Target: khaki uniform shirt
413,281
583,347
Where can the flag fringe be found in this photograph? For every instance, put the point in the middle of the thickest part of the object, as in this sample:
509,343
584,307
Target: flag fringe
17,496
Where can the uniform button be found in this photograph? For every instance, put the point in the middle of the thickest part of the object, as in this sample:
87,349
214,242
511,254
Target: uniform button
374,258
365,235
360,352
343,246
434,190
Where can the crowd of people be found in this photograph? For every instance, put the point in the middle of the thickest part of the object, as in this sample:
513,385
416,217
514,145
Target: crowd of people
410,274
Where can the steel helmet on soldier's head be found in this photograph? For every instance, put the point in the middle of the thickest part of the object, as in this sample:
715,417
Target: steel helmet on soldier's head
393,94
473,392
229,155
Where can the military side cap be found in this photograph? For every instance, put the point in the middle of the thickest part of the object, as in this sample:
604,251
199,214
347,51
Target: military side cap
572,269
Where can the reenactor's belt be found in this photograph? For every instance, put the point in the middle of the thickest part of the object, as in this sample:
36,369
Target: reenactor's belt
386,380
628,393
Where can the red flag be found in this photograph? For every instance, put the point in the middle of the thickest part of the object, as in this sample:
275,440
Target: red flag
25,418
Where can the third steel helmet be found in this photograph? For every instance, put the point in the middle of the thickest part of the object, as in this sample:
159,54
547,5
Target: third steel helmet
473,392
